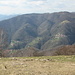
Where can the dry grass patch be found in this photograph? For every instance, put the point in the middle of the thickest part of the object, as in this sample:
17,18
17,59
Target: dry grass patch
60,65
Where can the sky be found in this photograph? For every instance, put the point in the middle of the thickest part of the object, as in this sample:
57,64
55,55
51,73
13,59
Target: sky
8,7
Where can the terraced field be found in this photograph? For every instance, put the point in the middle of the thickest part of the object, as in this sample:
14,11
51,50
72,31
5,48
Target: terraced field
48,65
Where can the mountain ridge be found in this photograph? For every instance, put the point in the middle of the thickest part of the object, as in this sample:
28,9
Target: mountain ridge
43,31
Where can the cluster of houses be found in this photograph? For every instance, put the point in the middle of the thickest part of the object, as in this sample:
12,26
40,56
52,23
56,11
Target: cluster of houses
59,35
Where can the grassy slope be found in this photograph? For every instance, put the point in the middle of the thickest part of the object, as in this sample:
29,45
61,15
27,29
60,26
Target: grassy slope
50,65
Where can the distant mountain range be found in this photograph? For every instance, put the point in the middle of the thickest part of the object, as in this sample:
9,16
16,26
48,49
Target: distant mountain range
4,17
43,31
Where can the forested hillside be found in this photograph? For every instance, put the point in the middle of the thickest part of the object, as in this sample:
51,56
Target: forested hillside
43,31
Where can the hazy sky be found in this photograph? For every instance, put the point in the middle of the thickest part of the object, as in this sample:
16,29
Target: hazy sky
35,6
